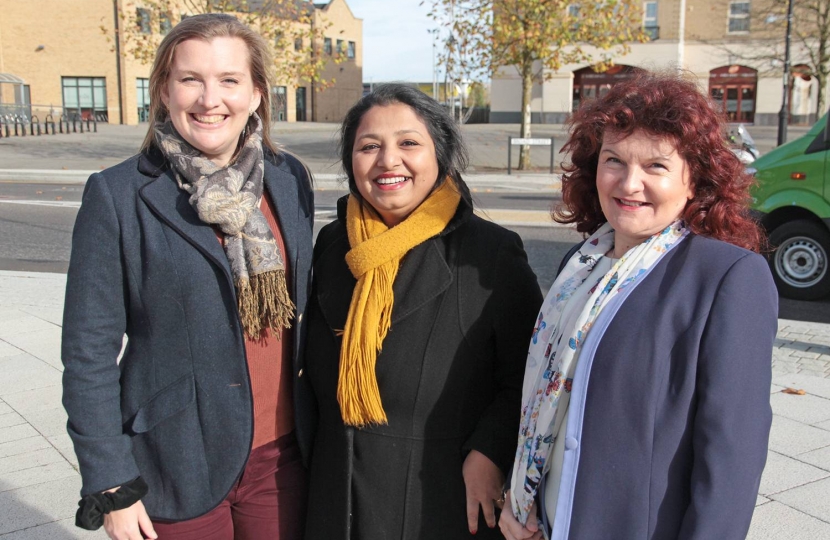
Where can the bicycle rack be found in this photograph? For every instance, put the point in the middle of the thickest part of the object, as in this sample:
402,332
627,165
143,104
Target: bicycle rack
46,122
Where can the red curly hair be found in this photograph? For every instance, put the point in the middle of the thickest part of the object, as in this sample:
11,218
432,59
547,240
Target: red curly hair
664,105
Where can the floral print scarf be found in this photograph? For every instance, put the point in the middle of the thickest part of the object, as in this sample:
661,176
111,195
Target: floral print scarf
556,343
229,198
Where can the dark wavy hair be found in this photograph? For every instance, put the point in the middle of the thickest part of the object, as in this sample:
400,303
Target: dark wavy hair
450,150
670,106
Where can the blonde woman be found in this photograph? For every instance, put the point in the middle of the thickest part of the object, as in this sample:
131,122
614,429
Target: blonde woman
199,250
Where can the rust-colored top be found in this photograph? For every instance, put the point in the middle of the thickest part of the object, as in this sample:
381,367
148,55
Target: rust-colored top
270,375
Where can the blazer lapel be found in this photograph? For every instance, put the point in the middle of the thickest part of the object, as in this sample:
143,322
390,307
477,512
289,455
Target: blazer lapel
171,205
282,187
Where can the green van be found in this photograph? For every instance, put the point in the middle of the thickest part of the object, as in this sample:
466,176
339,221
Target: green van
793,200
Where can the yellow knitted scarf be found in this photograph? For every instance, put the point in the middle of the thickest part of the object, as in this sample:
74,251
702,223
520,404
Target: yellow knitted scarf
374,259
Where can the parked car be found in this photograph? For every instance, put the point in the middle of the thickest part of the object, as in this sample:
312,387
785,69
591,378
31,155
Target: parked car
793,201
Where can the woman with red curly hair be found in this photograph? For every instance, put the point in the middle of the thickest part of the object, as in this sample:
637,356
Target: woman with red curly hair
645,405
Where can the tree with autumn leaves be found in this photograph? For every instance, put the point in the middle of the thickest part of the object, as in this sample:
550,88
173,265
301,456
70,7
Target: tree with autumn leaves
536,37
289,26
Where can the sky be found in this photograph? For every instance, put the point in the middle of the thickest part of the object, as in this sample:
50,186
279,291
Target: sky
397,45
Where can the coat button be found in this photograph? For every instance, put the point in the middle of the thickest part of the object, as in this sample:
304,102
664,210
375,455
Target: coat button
300,374
570,443
300,318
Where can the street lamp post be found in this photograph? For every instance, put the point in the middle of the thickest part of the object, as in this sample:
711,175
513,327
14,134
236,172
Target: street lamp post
784,113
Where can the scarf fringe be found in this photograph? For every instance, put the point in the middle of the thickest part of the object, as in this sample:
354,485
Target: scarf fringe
263,302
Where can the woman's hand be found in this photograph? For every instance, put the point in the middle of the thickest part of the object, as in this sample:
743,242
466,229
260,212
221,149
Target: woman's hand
512,529
483,481
129,523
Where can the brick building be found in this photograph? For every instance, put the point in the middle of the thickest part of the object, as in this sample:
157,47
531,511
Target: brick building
716,40
55,56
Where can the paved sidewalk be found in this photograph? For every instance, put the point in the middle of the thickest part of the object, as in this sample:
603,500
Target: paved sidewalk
39,481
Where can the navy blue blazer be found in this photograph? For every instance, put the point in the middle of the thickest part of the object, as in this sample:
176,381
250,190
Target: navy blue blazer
669,417
177,410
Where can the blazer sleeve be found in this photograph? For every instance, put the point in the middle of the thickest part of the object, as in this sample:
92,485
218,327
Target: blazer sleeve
94,322
733,416
515,301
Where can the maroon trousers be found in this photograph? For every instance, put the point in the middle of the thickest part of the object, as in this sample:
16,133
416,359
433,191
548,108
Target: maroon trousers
268,502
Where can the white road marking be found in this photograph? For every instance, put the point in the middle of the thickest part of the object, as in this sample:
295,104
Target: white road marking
64,204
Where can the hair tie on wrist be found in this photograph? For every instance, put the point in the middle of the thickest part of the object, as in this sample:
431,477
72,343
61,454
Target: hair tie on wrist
93,507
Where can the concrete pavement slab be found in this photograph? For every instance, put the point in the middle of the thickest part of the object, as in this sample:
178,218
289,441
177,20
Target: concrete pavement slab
43,344
812,385
823,425
4,408
35,400
791,438
23,324
810,498
818,458
783,473
64,529
807,409
48,423
22,446
26,372
777,521
63,444
38,504
29,460
7,349
11,419
37,475
15,433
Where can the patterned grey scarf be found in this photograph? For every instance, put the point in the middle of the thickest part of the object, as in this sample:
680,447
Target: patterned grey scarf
229,198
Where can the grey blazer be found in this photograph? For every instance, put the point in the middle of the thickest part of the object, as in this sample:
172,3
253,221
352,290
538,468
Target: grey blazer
669,417
177,410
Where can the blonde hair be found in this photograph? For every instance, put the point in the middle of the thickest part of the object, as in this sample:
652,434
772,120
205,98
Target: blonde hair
206,27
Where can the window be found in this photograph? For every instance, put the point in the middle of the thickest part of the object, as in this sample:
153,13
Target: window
327,45
351,51
142,17
164,24
142,97
298,44
279,105
340,48
85,96
650,20
739,16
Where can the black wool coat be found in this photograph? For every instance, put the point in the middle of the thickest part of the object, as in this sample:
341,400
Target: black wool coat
450,376
177,410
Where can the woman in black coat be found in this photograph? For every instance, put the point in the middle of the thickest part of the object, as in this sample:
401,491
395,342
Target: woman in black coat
198,249
645,409
419,319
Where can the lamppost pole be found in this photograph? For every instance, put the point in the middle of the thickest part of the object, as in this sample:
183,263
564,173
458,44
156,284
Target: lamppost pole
784,113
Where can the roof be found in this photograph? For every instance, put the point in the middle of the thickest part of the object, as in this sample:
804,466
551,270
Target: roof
9,78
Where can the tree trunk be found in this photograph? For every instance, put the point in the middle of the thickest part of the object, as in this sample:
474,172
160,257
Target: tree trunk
527,89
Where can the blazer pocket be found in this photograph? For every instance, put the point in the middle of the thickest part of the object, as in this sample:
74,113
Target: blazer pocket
167,402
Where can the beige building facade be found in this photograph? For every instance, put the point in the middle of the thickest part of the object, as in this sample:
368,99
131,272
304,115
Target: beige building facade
728,45
57,57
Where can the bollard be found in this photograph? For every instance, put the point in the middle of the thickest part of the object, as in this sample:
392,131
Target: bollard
18,122
35,121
